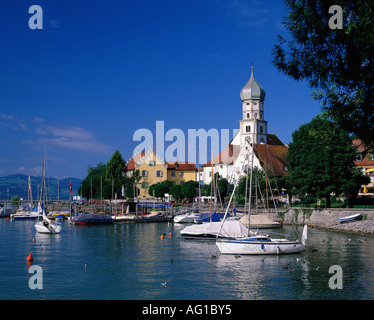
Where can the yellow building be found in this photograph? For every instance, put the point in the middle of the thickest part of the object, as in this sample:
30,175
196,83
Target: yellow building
181,172
153,170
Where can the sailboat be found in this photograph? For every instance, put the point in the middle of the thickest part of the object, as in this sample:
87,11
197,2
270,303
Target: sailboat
262,244
26,211
257,242
216,229
45,225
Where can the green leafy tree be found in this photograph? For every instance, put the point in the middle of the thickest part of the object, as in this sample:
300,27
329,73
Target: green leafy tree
176,191
205,190
321,161
160,188
337,63
101,181
16,201
189,189
221,186
94,182
258,174
131,191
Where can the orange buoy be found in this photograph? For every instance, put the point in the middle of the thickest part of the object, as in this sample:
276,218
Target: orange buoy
29,258
170,234
33,239
162,237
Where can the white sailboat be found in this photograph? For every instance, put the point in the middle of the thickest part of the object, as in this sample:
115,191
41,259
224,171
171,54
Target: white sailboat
262,244
258,243
26,212
45,225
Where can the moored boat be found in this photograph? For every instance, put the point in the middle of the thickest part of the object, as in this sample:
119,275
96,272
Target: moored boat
25,215
7,210
186,218
354,217
45,226
60,217
93,219
214,230
262,244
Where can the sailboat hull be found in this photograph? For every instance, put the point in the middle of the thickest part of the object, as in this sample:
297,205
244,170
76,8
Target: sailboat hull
41,227
250,246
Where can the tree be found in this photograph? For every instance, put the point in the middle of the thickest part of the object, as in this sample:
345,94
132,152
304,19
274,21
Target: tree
16,201
321,161
338,63
176,191
160,188
95,185
189,189
94,182
115,167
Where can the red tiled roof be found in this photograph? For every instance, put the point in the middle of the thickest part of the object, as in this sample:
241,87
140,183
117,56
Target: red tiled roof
181,165
361,147
274,157
227,156
131,164
272,139
366,162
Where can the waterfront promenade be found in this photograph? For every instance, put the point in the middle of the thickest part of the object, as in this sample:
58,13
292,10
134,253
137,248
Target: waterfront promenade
320,218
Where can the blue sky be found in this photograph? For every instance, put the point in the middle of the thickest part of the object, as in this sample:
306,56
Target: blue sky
100,70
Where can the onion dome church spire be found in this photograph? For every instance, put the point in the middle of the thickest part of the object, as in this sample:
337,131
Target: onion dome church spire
252,89
253,125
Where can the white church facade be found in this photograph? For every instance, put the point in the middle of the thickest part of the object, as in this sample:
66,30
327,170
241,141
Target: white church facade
270,152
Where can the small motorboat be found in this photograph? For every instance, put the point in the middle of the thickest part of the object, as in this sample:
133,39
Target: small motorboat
354,217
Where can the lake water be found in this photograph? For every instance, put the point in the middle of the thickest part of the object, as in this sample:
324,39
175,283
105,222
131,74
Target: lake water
130,261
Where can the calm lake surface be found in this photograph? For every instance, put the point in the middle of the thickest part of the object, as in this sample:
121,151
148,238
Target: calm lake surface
130,261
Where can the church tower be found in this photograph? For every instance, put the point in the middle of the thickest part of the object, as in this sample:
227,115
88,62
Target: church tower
252,96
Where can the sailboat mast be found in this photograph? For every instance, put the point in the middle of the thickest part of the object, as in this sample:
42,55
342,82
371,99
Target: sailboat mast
29,196
211,188
198,171
266,188
251,176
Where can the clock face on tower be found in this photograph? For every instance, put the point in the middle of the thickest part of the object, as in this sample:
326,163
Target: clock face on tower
248,139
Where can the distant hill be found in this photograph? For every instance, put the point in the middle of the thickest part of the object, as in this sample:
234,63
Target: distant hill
17,184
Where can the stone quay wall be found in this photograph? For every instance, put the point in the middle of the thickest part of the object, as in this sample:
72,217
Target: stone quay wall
328,219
